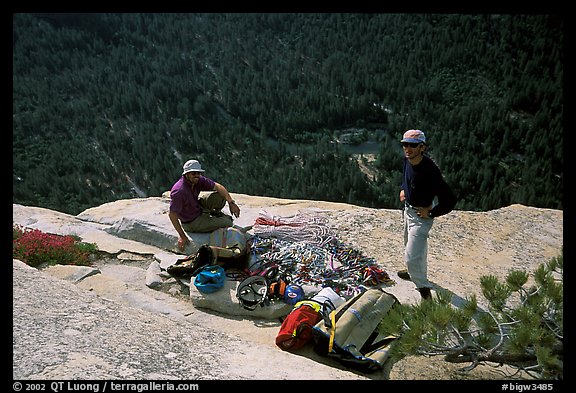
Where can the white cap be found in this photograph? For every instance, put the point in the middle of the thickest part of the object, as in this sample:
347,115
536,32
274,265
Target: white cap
192,166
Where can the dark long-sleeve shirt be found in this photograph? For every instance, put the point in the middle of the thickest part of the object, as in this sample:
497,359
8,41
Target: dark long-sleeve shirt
424,181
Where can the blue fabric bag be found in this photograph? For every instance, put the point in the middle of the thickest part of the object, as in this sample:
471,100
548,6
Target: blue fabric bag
210,278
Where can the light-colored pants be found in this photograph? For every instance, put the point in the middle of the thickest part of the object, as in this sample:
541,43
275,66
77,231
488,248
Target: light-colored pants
416,231
212,217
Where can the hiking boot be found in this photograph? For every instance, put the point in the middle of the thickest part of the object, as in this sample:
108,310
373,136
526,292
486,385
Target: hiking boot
403,274
425,293
180,270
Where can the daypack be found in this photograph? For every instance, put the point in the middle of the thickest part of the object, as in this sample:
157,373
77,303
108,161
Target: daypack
192,264
228,244
296,328
210,278
226,247
350,333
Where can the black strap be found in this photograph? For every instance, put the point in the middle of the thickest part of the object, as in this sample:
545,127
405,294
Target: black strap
370,345
327,308
237,276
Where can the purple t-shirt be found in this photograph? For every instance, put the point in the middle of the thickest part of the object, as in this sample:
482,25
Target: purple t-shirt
184,198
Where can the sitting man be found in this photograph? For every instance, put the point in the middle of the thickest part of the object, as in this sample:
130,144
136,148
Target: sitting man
189,212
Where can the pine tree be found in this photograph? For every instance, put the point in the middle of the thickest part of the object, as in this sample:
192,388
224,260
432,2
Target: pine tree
522,327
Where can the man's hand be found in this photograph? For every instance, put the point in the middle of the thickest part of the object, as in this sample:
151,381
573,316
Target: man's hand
182,241
422,212
402,197
234,209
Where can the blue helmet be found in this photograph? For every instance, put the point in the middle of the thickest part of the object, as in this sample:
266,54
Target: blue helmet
293,294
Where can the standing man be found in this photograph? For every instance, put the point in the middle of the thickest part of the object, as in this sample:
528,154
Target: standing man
426,195
189,212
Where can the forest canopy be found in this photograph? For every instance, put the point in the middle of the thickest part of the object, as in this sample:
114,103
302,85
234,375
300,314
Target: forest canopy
305,106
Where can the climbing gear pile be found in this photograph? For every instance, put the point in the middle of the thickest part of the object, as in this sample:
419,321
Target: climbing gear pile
307,251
